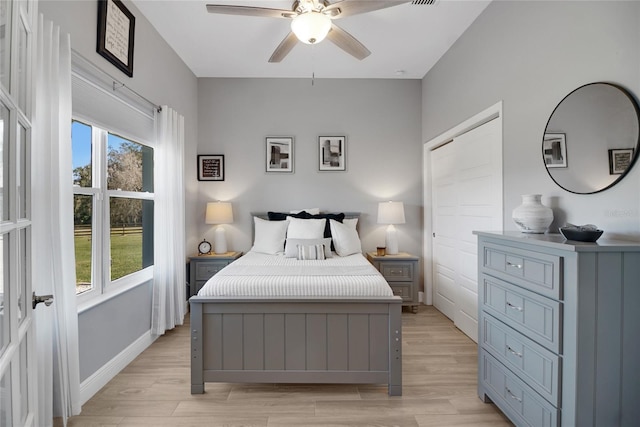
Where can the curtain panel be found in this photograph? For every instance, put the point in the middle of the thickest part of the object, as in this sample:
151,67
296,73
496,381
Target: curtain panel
56,329
169,278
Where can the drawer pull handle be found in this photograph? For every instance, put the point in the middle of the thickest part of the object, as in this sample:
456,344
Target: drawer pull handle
514,307
515,353
518,266
392,271
513,396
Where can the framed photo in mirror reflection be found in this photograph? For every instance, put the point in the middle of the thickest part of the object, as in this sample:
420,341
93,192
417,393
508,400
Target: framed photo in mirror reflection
619,160
554,150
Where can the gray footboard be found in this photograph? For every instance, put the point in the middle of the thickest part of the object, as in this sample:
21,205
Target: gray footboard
346,340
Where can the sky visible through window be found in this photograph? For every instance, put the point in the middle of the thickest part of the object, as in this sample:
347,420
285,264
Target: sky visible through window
81,144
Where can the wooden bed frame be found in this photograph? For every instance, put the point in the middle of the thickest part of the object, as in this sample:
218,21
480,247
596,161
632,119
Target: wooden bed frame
248,340
350,340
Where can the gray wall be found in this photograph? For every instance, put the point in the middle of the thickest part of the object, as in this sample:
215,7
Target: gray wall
107,329
161,76
380,119
530,55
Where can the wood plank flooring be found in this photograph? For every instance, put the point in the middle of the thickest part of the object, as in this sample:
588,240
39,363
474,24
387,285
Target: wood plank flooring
439,389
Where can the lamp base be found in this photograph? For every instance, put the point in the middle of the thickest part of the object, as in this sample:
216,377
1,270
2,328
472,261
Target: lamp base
220,241
391,240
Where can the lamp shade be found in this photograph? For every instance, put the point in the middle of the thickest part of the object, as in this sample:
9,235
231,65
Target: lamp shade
311,27
391,213
219,213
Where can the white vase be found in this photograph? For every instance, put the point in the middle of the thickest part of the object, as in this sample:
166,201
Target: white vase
532,216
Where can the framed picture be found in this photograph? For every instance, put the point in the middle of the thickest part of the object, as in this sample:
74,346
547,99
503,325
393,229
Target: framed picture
211,167
554,150
116,29
620,160
279,154
332,153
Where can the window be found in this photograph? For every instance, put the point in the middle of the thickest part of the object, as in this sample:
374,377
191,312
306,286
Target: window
113,208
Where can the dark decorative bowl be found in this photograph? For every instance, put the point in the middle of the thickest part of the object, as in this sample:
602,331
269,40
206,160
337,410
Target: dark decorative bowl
580,235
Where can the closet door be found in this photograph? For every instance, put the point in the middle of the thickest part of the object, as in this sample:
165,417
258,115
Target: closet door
466,178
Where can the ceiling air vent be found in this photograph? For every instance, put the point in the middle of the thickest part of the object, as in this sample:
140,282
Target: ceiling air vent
424,2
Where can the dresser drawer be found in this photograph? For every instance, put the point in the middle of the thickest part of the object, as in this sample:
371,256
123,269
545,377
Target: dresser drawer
535,271
517,400
205,270
539,367
397,271
535,316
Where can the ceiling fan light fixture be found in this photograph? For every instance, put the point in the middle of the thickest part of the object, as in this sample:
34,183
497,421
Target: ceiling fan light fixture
311,27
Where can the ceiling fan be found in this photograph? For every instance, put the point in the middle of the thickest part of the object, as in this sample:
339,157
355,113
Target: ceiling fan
311,22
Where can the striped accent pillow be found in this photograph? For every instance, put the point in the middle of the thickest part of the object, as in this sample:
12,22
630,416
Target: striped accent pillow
311,252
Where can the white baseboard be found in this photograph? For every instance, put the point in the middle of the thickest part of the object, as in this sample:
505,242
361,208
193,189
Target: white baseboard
93,384
421,297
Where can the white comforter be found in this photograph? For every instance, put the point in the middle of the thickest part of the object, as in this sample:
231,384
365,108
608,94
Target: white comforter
261,275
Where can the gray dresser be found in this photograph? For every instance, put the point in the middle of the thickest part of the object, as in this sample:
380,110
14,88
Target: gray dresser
559,329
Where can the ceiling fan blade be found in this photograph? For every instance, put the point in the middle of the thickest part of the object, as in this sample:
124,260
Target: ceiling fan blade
347,42
250,11
354,7
284,48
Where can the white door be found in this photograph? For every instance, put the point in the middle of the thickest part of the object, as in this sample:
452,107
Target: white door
17,368
466,195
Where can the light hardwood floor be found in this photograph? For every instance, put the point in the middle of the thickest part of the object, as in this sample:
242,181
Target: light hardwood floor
439,389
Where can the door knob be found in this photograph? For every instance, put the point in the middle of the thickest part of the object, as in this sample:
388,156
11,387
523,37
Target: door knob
46,299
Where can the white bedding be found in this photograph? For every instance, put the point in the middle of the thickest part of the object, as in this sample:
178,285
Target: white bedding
261,275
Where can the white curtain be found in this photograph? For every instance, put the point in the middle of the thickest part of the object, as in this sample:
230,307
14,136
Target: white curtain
169,299
52,214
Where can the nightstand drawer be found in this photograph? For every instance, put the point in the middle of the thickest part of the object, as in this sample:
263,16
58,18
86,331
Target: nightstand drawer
397,271
531,314
403,291
204,270
531,270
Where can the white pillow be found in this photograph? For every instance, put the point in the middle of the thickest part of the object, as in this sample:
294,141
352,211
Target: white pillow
312,211
305,228
351,222
269,235
291,250
345,238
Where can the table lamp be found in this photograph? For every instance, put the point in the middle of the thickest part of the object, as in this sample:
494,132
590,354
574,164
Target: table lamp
219,213
391,213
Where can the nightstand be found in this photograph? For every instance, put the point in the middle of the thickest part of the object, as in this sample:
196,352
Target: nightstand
401,272
203,267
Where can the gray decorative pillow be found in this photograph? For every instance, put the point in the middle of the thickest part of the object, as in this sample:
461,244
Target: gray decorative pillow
311,252
291,246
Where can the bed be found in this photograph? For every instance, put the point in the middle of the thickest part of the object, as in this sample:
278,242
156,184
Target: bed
266,319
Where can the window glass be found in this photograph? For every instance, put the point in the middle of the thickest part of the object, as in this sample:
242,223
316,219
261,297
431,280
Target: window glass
6,414
83,239
129,165
5,42
130,250
81,154
4,162
4,284
22,172
21,285
23,46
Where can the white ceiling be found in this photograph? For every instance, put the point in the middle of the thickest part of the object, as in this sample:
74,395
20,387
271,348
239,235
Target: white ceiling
405,40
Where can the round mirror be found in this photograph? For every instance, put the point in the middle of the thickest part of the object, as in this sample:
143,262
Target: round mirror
591,139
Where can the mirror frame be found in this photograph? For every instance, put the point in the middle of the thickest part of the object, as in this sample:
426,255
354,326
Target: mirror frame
636,149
